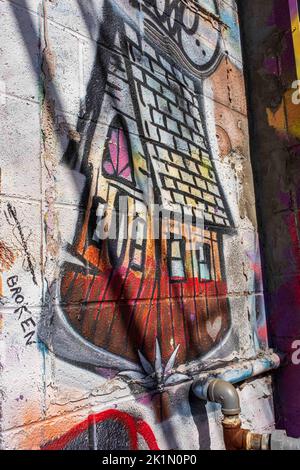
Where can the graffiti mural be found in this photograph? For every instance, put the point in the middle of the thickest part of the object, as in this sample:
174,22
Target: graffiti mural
144,141
108,430
129,260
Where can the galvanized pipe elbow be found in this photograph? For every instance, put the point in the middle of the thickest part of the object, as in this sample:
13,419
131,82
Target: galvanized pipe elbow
219,391
224,393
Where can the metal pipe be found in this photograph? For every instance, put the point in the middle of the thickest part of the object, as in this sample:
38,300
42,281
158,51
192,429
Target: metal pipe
280,441
235,437
220,391
237,372
224,393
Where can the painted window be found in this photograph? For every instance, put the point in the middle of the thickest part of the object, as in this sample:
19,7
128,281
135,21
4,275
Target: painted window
118,231
138,244
204,262
97,222
117,161
176,259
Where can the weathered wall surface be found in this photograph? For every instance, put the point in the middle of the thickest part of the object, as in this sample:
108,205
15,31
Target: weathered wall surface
270,52
104,102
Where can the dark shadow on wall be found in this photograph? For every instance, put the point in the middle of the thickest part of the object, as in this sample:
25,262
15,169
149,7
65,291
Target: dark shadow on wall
275,155
200,417
40,60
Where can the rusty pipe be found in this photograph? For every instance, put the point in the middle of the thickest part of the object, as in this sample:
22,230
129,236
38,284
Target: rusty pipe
235,437
223,392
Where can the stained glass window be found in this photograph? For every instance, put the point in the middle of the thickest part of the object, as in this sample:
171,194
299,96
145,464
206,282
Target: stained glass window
117,162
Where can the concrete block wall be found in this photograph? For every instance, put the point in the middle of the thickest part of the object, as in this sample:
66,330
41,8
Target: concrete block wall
100,341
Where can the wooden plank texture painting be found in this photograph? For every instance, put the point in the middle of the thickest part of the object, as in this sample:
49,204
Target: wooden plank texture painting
133,289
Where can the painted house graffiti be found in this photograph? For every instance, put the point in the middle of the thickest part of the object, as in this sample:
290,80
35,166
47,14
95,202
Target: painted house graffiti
147,143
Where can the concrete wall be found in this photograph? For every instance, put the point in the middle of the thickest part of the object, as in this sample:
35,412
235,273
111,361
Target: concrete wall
102,338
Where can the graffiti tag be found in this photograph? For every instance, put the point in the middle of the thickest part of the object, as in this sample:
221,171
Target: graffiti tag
25,318
107,430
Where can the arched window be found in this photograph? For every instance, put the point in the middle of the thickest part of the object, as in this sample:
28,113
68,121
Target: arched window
117,159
